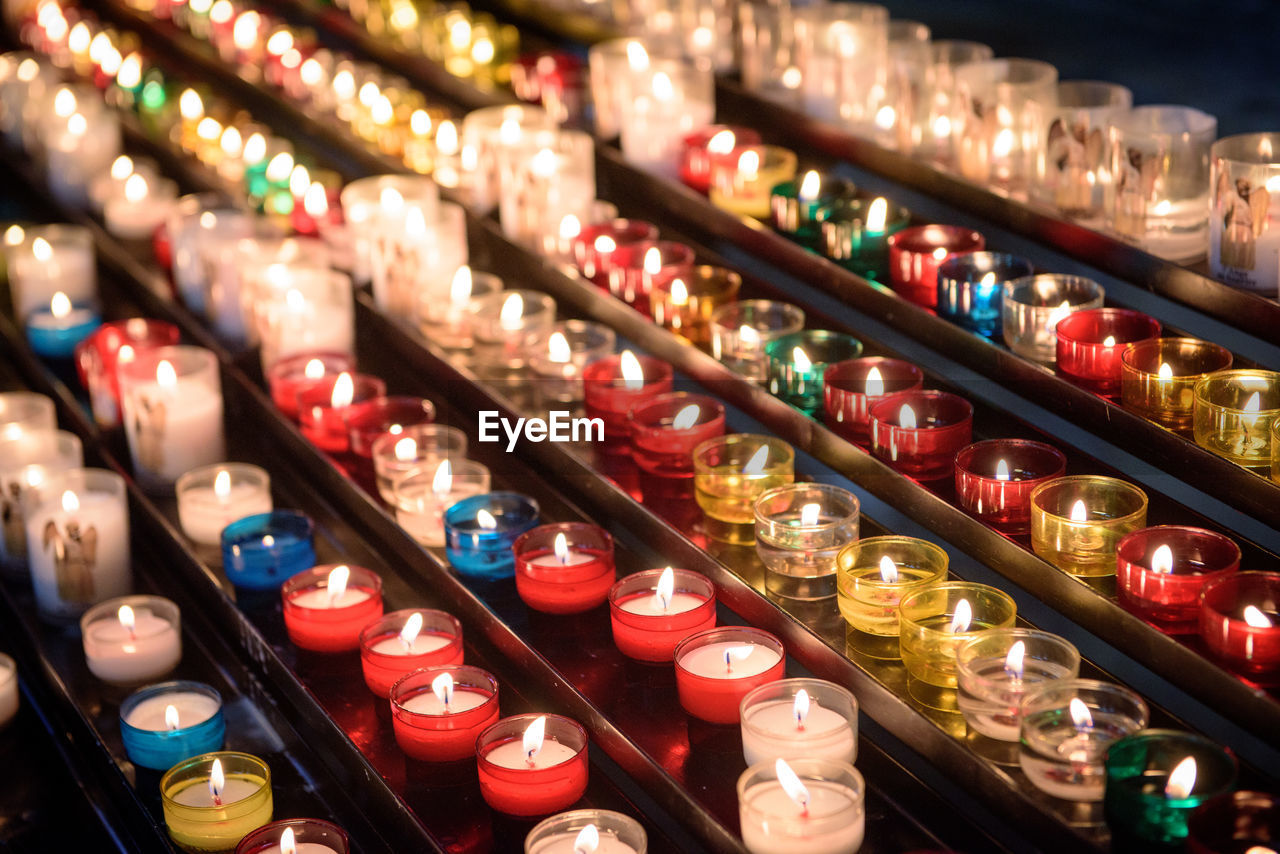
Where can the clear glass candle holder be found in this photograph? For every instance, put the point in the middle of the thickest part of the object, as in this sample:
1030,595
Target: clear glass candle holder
664,449
856,235
999,118
1067,726
1077,521
1033,306
417,446
730,472
919,432
595,244
1244,240
564,567
916,253
940,94
29,458
669,99
1158,199
798,361
370,420
872,576
212,497
1233,414
685,305
850,388
307,833
633,270
779,723
1073,173
306,311
971,288
799,206
934,624
995,479
446,320
617,832
841,52
1092,342
198,226
743,183
97,356
1240,821
506,324
997,668
1158,377
559,363
287,376
422,496
364,211
771,821
134,646
195,821
480,545
260,552
741,330
1240,623
800,529
51,259
1161,572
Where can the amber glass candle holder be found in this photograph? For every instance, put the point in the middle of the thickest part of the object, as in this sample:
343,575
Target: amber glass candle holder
1158,377
1240,821
1033,306
685,304
916,253
1240,623
1161,572
741,330
730,472
798,361
1077,521
995,479
800,529
872,576
937,620
919,432
1233,414
850,388
1091,343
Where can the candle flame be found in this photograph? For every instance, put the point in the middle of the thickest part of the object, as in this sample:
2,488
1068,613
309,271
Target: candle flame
800,360
460,287
442,687
758,460
127,619
874,383
485,520
988,280
1079,513
339,577
632,372
447,138
1254,617
679,292
222,485
344,391
390,200
1254,403
70,502
1109,341
442,483
561,548
135,188
512,314
940,254
653,261
907,417
208,130
42,250
1080,715
737,653
121,167
722,142
1162,560
64,103
791,784
533,738
166,376
1058,314
800,708
409,633
190,105
1260,849
748,336
587,840
171,720
14,235
666,588
78,125
406,449
570,227
255,148
60,305
1182,780
663,88
1014,661
962,618
637,56
543,164
810,186
877,214
316,201
509,132
604,244
1165,372
888,570
749,164
216,781
686,417
313,370
809,514
287,843
1002,470
558,348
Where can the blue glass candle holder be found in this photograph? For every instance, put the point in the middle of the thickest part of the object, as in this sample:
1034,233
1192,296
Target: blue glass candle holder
476,550
262,551
971,288
798,361
55,336
149,741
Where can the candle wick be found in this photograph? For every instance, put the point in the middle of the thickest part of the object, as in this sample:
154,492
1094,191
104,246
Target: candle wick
217,801
529,759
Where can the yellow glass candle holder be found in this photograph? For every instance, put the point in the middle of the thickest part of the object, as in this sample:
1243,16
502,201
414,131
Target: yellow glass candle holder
743,182
1275,450
685,304
872,577
195,821
1234,411
938,619
1158,377
1077,521
730,472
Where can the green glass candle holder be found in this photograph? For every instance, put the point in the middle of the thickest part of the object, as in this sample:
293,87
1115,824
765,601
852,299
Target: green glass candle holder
800,206
855,235
798,361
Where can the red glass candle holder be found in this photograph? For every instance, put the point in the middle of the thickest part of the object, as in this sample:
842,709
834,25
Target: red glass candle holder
1165,586
662,448
370,420
644,629
1238,822
715,669
1251,650
309,835
386,654
595,246
96,358
916,253
637,268
425,730
321,622
551,781
1091,343
995,479
607,396
323,423
288,376
699,154
849,389
943,424
564,579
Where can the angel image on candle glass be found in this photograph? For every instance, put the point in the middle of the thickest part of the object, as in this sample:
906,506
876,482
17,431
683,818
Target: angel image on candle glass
148,430
1135,182
15,531
1243,209
75,553
1074,151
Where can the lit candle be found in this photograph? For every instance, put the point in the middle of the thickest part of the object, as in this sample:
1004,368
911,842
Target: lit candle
407,640
437,712
564,568
919,432
937,620
8,690
615,385
666,429
809,805
915,254
1162,571
132,640
161,725
872,577
716,668
140,209
55,331
326,607
651,612
995,479
532,764
743,185
212,497
480,531
1091,343
289,375
799,719
296,836
212,801
422,496
1240,622
798,361
1078,521
731,472
998,667
322,407
259,552
587,831
800,528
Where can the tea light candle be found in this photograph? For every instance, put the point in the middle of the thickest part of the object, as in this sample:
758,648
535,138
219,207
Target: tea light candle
1240,623
919,432
1161,572
564,568
811,805
800,528
872,576
666,429
651,612
1247,821
1090,344
851,387
213,801
797,363
407,640
532,764
708,147
1077,521
161,725
505,325
259,552
416,446
799,719
731,472
613,386
117,341
685,304
289,375
936,620
133,639
1067,726
8,690
1233,414
590,831
1155,781
423,495
855,235
995,670
370,420
437,713
1158,377
716,668
741,330
799,207
594,247
1033,306
326,607
212,497
916,253
743,183
560,358
56,331
633,270
995,479
971,288
322,406
479,532
296,836
142,207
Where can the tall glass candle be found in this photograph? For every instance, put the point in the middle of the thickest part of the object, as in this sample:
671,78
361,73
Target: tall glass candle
438,712
327,606
814,805
999,118
800,528
407,640
1233,414
919,432
716,668
971,288
1073,172
1240,623
651,612
212,801
1158,377
1091,343
1077,521
29,456
163,724
132,640
532,765
799,719
1162,571
850,388
995,479
1244,235
564,568
916,253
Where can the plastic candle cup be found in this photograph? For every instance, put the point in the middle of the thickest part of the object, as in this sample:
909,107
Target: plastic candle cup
743,182
260,552
1032,307
370,420
306,835
479,532
214,800
422,496
716,668
567,832
995,670
919,432
505,325
8,690
971,288
1067,726
685,304
1241,821
851,387
1161,572
438,712
995,479
132,640
797,362
212,497
565,567
595,245
730,472
810,805
1233,414
1156,779
286,377
856,235
1091,343
532,765
741,330
653,611
417,446
937,620
559,359
633,270
615,385
55,330
708,147
327,606
799,719
1240,623
163,724
1077,521
1158,377
916,253
872,576
666,429
800,528
798,207
322,406
407,640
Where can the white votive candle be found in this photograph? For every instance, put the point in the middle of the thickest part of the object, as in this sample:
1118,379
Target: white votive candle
710,661
807,806
212,497
8,689
427,703
193,709
799,718
133,639
422,644
512,755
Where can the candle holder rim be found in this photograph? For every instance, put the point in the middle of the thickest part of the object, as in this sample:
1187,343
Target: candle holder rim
716,410
1154,118
258,525
898,239
1144,738
1040,691
237,471
389,440
731,439
171,686
844,565
1207,599
774,349
1233,148
1130,355
838,493
1066,332
829,769
877,410
835,372
632,253
1219,539
1091,289
299,581
187,360
160,606
703,280
285,367
994,593
793,313
577,730
971,647
700,583
569,822
751,697
1130,489
519,501
482,679
246,759
260,835
484,302
563,527
377,628
955,260
964,456
1202,389
707,636
854,210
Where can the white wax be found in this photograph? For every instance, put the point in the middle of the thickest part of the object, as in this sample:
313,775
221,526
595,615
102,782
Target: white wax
203,513
422,644
773,734
425,521
67,573
646,605
233,790
511,754
709,661
784,834
172,430
573,558
562,843
8,691
33,283
301,848
44,319
318,597
193,709
136,220
114,655
44,448
427,703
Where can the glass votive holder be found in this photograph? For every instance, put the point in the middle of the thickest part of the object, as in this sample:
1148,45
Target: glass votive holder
422,496
115,341
633,270
1161,572
741,330
800,206
1241,821
772,820
1158,198
564,568
1158,377
429,729
446,320
666,429
132,640
25,412
559,362
710,144
872,576
307,311
685,304
480,530
200,820
51,259
743,182
407,640
800,529
1240,623
919,432
259,552
971,288
1244,250
506,324
1146,803
595,245
1073,172
1091,343
1233,414
309,834
1067,726
999,117
650,616
801,718
716,668
325,608
153,738
615,831
850,388
287,377
937,620
415,446
797,362
997,668
856,234
212,497
995,479
730,473
518,781
370,420
1032,307
614,385
323,403
916,253
1077,521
